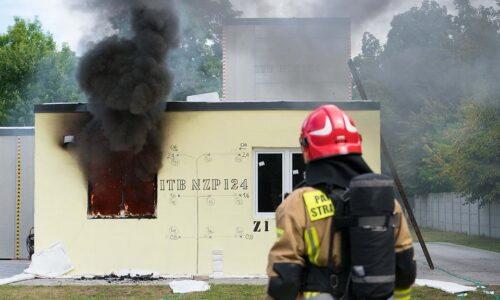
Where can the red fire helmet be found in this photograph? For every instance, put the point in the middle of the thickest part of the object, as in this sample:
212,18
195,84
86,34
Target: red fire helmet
329,131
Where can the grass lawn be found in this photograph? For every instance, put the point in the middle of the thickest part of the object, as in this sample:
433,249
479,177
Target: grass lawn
480,242
216,292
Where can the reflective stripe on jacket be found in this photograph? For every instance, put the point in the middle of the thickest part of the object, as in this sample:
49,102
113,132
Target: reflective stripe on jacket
299,237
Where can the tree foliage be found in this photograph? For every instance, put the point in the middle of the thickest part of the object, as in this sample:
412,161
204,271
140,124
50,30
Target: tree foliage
32,71
432,67
468,155
197,64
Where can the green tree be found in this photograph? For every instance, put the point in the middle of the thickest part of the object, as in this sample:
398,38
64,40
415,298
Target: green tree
432,62
32,71
468,156
408,75
197,64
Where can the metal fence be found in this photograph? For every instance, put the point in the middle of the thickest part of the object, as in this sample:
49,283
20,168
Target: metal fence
450,212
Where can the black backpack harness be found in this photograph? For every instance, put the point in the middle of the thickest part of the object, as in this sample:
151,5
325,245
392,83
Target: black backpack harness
364,214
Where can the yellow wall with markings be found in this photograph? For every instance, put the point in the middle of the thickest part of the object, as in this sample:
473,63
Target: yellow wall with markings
205,210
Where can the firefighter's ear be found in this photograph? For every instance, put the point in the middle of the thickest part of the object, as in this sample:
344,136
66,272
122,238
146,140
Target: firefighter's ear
304,142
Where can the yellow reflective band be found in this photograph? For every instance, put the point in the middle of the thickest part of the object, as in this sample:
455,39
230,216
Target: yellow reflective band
402,294
312,243
279,233
307,239
308,295
316,245
318,205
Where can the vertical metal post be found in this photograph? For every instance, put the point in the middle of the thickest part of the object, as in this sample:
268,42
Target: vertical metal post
432,212
419,210
469,221
18,200
489,219
426,212
452,213
394,173
460,214
478,219
439,213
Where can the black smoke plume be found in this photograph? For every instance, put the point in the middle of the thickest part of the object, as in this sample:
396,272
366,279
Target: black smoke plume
126,79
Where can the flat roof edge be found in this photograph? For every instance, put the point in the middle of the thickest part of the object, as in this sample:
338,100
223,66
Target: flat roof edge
17,131
286,21
222,106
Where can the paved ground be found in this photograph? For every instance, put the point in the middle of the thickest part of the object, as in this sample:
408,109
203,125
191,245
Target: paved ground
470,263
10,268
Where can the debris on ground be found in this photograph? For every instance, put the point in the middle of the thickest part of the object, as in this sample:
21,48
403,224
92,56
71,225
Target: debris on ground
111,278
188,286
449,287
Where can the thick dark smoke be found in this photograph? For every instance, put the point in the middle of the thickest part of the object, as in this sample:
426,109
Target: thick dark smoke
126,79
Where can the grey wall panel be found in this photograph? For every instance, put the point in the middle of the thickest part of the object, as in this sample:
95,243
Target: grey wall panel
435,215
27,190
450,212
484,220
474,219
417,206
495,220
239,82
428,210
456,215
440,213
8,148
428,215
286,59
9,140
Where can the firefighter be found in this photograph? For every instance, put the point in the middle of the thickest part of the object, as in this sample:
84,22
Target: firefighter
303,263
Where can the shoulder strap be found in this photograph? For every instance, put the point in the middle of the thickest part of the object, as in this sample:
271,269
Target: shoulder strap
339,198
339,278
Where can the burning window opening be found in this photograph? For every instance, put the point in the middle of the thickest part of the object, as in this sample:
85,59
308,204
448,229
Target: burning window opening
116,192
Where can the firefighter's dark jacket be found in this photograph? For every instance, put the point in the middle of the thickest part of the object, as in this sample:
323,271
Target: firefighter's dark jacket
299,238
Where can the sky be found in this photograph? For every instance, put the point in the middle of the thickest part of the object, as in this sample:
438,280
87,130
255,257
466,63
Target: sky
75,28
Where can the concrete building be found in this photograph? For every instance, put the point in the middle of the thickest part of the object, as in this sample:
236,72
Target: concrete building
300,59
225,166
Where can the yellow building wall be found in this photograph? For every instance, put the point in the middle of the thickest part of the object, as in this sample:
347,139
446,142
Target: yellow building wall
193,223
